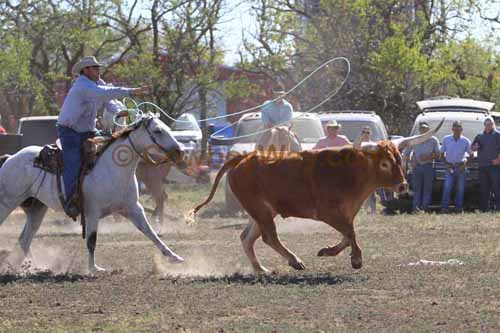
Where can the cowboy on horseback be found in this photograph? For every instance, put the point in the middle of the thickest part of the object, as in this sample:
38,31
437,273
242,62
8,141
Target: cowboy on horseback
77,120
277,111
276,117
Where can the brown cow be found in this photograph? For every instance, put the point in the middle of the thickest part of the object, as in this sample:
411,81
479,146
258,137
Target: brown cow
328,185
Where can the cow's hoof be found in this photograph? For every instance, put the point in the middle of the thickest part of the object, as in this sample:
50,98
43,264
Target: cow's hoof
298,265
356,263
329,251
323,252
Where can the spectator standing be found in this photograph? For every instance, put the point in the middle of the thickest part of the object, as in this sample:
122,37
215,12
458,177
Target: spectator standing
333,138
487,146
421,157
371,202
456,150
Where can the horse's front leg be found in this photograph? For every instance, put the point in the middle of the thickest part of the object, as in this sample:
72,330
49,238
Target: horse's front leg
91,238
136,214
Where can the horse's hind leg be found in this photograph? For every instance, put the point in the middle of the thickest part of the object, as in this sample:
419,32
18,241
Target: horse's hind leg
5,210
35,212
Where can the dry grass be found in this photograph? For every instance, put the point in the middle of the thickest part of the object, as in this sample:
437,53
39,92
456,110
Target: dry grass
215,290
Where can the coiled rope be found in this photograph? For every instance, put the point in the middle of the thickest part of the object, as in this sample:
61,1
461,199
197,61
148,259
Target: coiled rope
139,113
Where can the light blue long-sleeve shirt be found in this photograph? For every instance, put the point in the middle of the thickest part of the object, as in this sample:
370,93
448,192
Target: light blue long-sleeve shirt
424,149
274,114
85,97
456,151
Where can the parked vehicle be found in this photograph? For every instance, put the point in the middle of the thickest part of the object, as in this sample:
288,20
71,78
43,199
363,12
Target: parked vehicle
307,127
30,131
187,131
472,114
353,121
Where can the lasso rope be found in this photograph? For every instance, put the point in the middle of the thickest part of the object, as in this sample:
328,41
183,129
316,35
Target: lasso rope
139,113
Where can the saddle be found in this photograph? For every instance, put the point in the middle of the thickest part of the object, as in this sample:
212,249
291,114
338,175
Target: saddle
50,160
50,157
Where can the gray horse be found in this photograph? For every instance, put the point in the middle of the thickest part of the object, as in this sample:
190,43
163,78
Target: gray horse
110,187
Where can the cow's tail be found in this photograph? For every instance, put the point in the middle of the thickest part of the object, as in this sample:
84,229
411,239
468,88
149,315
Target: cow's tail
191,215
3,158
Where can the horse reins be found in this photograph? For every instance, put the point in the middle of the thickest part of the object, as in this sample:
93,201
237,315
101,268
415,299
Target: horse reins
149,159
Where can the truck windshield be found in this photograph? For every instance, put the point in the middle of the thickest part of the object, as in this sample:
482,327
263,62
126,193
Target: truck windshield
352,129
470,128
185,123
308,130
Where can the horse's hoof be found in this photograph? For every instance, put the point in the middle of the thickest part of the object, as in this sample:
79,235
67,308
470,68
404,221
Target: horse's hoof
175,259
298,265
96,270
262,271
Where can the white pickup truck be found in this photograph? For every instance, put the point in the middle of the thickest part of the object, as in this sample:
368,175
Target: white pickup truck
31,131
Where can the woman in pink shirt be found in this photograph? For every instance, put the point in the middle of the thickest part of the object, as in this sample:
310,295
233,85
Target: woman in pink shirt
332,139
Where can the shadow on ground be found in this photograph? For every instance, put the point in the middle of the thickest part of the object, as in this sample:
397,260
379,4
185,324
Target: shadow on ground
43,277
273,279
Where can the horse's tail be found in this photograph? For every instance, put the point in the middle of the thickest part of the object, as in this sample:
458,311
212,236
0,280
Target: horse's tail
190,218
3,159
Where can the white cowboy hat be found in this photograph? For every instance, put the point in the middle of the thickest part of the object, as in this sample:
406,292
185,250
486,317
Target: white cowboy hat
333,123
279,92
84,62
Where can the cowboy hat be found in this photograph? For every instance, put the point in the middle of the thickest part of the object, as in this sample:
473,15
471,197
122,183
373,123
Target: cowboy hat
333,123
84,62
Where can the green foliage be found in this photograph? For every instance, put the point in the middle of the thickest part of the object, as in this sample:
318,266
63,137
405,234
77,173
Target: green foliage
465,68
400,51
17,82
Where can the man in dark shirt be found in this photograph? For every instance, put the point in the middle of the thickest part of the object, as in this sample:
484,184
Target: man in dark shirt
487,145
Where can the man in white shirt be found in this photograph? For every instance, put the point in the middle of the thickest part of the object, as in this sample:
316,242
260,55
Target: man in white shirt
456,150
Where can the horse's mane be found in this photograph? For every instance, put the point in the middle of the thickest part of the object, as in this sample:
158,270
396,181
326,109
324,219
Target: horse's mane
121,134
124,133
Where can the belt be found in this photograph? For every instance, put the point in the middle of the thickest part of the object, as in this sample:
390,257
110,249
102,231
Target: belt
65,126
71,128
453,165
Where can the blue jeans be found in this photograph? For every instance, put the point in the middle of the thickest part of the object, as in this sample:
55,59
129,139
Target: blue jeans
457,177
489,181
371,202
422,186
71,143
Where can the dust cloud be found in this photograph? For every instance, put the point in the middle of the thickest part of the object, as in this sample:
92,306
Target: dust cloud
198,263
42,258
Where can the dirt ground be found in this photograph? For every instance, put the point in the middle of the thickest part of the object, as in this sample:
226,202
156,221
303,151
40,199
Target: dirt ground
215,290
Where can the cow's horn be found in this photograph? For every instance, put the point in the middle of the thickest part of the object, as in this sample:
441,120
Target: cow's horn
416,139
369,146
357,143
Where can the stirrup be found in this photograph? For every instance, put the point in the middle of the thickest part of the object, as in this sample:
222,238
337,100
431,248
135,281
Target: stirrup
72,210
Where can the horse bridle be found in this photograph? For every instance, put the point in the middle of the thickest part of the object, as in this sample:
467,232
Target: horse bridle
145,155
